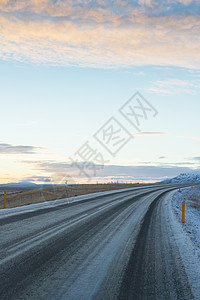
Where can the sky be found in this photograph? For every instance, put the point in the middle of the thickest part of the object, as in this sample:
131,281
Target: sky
99,91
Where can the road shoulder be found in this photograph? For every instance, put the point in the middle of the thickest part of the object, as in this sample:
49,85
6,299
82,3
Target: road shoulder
187,248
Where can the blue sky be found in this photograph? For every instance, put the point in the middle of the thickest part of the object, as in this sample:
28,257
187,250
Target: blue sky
67,67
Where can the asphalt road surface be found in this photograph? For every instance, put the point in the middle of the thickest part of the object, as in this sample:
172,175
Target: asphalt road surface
114,246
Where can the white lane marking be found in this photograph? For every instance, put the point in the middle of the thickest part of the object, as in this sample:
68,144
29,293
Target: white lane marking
47,234
111,204
50,232
16,250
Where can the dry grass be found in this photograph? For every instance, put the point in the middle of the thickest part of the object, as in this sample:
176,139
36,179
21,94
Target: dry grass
58,192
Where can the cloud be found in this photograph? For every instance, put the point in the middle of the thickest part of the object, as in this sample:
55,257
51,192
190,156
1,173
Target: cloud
148,133
100,34
189,137
27,124
36,179
197,158
187,2
174,86
165,164
10,149
62,171
154,3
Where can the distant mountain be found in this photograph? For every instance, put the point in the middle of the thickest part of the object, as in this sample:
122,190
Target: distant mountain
22,184
184,177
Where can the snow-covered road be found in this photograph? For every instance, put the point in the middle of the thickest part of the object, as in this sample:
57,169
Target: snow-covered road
116,245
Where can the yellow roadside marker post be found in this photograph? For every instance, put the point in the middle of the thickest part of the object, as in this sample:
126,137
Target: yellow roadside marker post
4,200
183,212
179,189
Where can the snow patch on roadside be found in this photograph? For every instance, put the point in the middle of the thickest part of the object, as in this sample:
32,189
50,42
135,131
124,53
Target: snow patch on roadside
191,196
188,248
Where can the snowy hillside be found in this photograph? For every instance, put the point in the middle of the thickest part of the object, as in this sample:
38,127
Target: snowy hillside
184,177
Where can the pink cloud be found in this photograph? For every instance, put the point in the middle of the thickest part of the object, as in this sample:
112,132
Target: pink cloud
67,33
148,133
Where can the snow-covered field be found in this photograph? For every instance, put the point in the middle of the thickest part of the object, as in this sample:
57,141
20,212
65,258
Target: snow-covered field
191,196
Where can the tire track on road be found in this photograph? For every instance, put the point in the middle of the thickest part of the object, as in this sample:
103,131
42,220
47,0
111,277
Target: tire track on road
155,270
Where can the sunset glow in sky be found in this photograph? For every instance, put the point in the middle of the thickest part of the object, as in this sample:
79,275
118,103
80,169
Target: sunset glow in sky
68,67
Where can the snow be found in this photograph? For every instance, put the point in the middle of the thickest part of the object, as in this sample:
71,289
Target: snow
188,243
184,178
191,196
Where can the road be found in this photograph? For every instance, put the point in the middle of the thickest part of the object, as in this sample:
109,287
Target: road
117,245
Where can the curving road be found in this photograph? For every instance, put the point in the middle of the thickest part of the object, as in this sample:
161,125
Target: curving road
118,245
